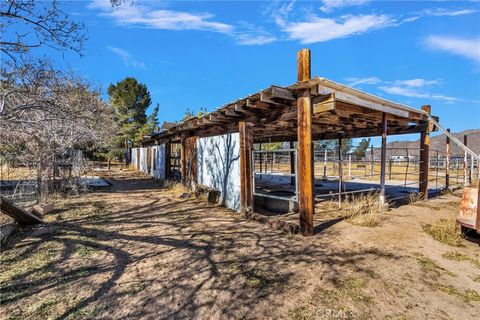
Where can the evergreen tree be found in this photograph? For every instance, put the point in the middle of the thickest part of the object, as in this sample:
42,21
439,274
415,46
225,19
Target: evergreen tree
361,149
130,99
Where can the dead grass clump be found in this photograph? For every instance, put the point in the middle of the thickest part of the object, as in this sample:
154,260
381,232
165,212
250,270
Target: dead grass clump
177,189
259,278
447,232
301,313
415,197
364,210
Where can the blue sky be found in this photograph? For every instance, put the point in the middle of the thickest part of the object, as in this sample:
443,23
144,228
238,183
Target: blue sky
205,54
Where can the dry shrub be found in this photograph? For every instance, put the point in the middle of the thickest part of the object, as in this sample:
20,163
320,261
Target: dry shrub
365,209
177,188
415,197
447,231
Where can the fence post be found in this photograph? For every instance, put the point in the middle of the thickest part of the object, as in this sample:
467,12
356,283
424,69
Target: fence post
389,169
465,163
371,161
424,157
349,166
447,162
436,172
325,164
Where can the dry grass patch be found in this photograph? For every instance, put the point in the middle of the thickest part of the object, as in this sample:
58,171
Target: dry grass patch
467,296
326,303
430,266
456,256
447,231
365,210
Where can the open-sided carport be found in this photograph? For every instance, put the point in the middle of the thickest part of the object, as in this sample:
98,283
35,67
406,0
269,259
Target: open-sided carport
311,109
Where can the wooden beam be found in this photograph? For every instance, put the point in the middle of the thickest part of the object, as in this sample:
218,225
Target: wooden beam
282,93
424,158
303,65
19,214
246,146
362,101
383,158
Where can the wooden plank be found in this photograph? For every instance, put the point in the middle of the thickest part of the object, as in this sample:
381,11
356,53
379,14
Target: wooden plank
424,160
246,145
19,214
282,93
363,102
303,65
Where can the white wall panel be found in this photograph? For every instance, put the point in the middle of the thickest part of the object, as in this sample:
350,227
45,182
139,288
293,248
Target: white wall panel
219,167
158,162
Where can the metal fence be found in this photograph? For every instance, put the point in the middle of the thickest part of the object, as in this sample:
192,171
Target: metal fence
344,174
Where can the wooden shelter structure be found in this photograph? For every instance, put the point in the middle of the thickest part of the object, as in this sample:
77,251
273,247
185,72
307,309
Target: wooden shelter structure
308,110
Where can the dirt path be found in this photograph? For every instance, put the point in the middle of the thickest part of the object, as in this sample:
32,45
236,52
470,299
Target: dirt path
138,251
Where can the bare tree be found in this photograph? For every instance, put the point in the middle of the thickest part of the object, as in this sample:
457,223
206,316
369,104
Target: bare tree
27,24
46,113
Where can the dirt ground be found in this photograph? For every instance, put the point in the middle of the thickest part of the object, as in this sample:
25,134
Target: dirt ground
140,251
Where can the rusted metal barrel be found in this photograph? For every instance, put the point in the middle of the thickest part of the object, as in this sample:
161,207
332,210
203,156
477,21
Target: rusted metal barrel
469,215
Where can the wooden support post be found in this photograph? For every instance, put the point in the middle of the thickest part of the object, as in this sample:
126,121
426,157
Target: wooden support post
303,65
465,163
383,157
260,155
424,158
478,208
305,147
340,172
183,160
246,177
292,163
447,162
189,152
138,159
168,159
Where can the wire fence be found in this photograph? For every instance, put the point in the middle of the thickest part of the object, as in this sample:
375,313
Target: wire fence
29,183
340,175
